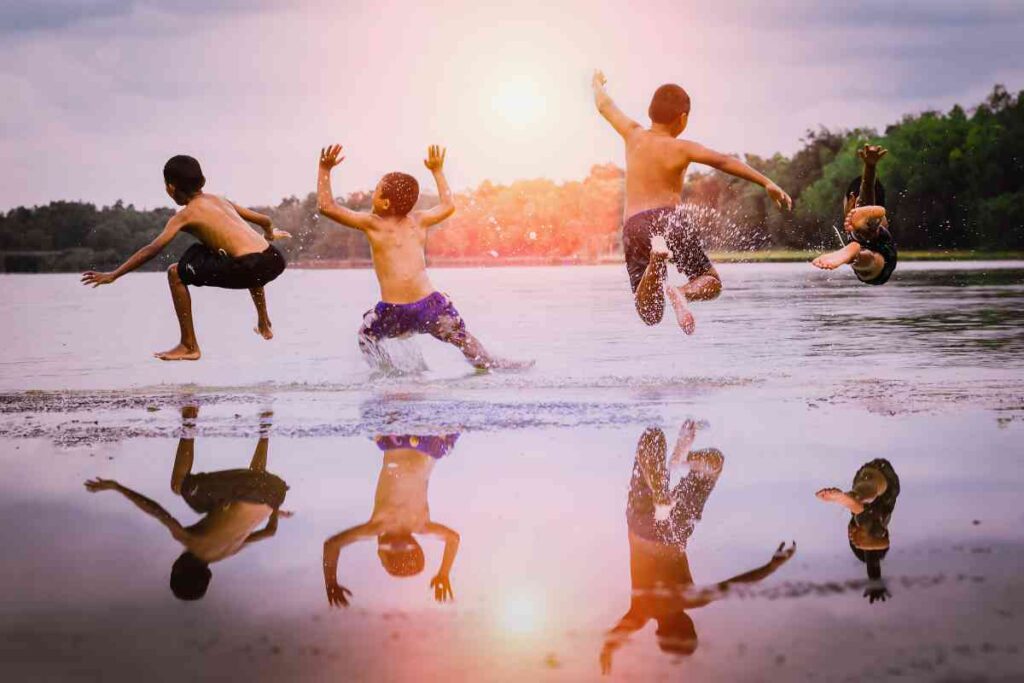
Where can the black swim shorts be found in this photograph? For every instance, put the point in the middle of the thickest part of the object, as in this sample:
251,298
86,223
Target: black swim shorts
886,246
201,266
687,253
208,491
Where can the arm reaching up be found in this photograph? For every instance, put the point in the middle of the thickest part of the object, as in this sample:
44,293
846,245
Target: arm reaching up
441,583
735,167
325,204
142,256
870,155
148,506
445,207
337,595
622,124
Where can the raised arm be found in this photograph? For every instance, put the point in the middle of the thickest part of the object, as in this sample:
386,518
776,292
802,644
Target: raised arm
143,255
262,220
781,556
148,506
445,207
622,124
733,166
870,155
630,623
325,204
441,583
337,595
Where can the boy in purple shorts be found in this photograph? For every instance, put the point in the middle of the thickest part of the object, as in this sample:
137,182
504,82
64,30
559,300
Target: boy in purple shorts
398,236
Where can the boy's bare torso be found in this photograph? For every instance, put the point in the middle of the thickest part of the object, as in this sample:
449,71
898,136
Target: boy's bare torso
399,246
214,222
655,166
400,504
223,532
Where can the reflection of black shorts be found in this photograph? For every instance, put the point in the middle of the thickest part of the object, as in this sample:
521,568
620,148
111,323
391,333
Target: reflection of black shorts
682,240
209,491
201,266
688,496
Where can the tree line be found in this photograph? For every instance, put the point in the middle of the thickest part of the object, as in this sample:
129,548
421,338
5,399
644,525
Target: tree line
953,180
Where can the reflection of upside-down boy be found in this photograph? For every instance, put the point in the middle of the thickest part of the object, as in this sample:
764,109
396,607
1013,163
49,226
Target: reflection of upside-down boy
660,523
400,511
871,502
233,503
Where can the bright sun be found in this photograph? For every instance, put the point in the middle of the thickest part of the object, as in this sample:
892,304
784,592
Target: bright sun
519,101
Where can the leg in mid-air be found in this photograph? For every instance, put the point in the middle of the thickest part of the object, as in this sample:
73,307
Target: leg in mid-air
263,327
452,330
188,347
704,287
853,254
370,339
650,293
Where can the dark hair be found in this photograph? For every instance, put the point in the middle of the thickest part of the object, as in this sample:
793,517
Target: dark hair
184,173
401,190
190,577
668,104
677,634
407,561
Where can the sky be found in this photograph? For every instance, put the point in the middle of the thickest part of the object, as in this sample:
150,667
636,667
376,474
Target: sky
99,93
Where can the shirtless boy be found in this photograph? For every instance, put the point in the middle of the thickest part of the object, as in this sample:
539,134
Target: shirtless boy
398,238
400,510
871,251
656,163
233,503
230,253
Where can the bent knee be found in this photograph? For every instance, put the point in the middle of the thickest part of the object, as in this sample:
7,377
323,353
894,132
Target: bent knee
710,460
172,273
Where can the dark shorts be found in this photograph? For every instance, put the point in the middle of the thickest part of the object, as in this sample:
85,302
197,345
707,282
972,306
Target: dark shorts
435,446
434,315
689,495
209,491
687,253
201,266
886,246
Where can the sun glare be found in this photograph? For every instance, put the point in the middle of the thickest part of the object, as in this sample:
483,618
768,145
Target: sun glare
520,615
519,101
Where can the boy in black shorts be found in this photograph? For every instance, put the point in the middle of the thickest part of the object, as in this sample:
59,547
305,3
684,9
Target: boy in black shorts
656,163
871,251
230,254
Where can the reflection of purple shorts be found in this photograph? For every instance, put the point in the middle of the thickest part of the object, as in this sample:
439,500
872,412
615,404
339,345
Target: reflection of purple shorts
435,446
434,315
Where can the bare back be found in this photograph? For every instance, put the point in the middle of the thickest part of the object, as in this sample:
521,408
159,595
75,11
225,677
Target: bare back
655,166
399,247
215,222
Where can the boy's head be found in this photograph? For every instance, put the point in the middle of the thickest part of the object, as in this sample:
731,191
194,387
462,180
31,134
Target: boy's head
190,577
183,178
677,634
400,554
395,195
670,107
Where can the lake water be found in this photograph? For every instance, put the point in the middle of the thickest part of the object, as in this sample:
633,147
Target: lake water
794,380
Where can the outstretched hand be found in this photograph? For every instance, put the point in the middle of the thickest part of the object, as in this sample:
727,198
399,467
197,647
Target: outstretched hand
873,593
782,553
435,158
779,196
598,80
337,595
872,154
96,278
97,484
442,586
330,157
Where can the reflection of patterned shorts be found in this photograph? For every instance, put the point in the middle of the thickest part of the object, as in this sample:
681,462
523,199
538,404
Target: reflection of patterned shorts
434,315
689,496
433,445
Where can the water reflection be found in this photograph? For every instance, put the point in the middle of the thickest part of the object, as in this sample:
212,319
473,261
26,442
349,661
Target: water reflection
661,518
233,503
871,502
400,513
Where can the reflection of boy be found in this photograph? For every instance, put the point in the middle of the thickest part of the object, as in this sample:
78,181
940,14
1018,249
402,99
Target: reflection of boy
663,587
871,502
232,502
871,251
400,511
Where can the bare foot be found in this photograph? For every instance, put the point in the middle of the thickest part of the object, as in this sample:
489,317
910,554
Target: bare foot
264,330
179,352
830,261
659,248
683,315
